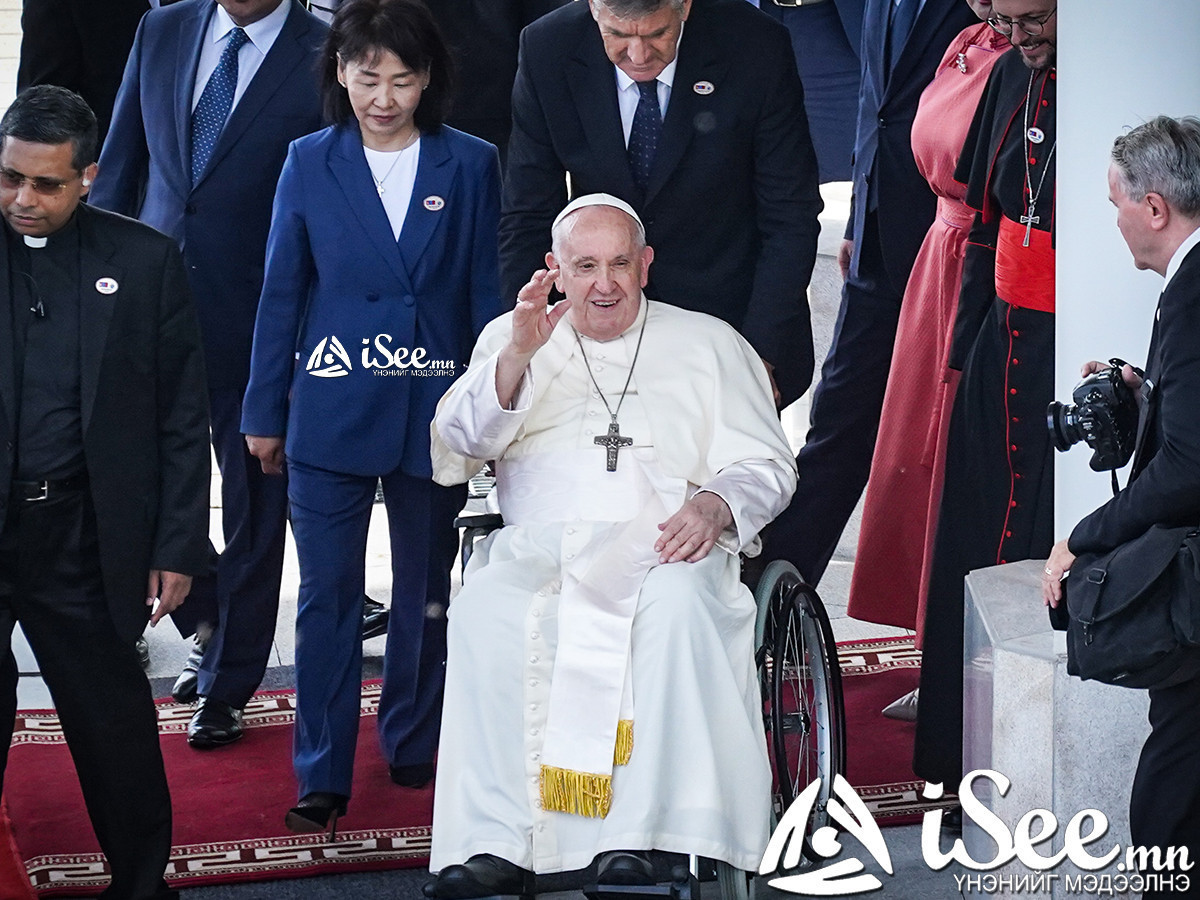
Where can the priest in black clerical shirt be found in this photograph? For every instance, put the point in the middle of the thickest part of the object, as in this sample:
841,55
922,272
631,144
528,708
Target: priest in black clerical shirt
103,467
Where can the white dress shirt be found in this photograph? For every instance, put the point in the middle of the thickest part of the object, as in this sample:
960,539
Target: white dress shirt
628,94
262,35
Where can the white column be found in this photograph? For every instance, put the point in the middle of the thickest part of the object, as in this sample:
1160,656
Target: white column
1120,63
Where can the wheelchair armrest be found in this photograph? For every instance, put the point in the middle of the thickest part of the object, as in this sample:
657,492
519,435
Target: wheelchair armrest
484,521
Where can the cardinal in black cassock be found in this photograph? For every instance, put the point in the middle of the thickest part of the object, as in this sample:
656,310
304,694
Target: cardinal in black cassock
998,499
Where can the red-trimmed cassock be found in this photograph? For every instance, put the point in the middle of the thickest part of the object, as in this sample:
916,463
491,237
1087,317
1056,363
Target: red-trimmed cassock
998,498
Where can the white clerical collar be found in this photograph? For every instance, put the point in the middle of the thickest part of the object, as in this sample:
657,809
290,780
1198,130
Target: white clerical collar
35,242
1180,253
666,76
262,33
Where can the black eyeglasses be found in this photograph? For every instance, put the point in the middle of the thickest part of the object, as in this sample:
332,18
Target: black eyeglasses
1030,25
12,180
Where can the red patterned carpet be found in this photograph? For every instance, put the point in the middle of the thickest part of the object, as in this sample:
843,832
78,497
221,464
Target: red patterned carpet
239,793
879,750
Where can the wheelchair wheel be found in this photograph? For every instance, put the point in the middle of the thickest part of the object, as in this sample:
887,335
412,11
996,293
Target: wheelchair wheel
801,686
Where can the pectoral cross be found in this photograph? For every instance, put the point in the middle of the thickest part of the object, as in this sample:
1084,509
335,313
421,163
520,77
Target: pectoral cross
1029,220
613,442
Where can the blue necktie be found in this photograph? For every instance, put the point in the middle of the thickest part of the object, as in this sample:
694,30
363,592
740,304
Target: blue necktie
215,102
904,14
643,137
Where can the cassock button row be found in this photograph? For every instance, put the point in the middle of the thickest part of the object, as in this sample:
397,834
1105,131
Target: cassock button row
1015,361
1008,534
570,556
537,613
533,682
1012,391
1013,448
533,659
1015,419
570,531
1016,333
534,635
1033,161
1013,504
533,707
533,732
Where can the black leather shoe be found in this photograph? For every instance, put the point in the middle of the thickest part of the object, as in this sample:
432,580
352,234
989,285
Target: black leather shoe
625,867
412,776
142,649
185,687
952,821
482,875
375,618
214,724
316,812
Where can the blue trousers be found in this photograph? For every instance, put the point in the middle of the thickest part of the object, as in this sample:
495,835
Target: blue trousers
242,592
836,457
331,512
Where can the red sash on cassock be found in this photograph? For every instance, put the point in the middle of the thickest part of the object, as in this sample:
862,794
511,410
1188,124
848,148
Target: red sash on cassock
1024,275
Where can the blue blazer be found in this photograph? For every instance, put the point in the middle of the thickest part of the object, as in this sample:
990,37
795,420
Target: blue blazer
220,222
885,173
359,335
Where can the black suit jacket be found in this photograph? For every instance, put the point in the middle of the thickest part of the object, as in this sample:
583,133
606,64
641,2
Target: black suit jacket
145,412
222,221
483,36
731,208
1164,485
885,173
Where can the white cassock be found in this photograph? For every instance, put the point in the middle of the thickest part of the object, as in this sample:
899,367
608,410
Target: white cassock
701,416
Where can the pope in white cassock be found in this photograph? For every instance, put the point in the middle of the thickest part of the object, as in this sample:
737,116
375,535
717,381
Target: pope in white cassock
600,693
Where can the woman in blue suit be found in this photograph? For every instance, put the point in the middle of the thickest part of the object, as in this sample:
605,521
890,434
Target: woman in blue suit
381,271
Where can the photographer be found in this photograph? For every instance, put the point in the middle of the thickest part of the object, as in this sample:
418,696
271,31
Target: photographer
1154,182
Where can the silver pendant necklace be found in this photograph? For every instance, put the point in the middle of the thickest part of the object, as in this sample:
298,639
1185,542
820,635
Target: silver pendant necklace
1033,136
613,441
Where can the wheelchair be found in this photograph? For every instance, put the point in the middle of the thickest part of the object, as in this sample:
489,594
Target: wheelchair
800,683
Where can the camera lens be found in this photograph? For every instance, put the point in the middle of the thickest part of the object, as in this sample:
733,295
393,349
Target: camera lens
1063,421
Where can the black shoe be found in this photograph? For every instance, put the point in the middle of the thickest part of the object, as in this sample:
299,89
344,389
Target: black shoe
375,618
214,724
482,875
142,649
952,821
625,867
412,776
316,812
185,687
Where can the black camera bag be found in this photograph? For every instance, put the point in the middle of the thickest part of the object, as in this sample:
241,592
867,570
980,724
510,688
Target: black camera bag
1135,611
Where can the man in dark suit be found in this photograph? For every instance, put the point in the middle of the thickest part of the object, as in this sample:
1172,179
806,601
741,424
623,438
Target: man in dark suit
712,150
1153,181
200,131
826,37
81,45
893,208
483,36
104,449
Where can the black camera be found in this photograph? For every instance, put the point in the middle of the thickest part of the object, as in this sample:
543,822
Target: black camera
1104,414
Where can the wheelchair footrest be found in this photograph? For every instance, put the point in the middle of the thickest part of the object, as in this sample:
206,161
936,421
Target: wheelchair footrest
684,886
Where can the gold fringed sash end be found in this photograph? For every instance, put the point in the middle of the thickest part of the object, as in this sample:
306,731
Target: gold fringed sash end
624,747
581,793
